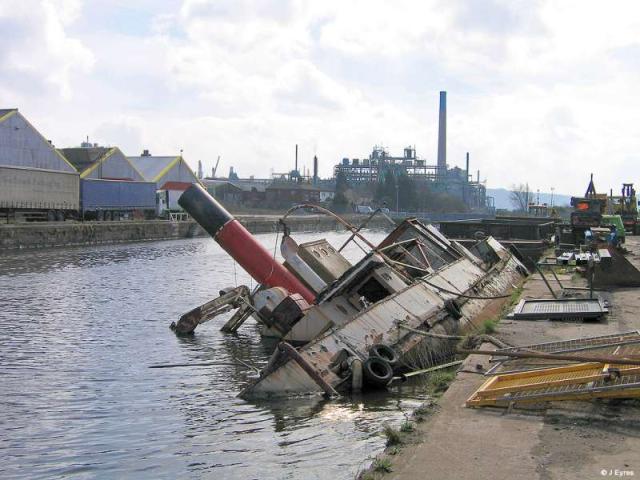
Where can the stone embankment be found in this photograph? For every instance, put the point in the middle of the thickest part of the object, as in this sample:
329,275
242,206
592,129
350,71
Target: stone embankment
65,234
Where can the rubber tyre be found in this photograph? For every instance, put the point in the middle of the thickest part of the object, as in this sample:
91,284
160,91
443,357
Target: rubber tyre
386,353
377,372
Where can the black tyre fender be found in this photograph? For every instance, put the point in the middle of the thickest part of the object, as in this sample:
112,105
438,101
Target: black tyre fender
377,372
385,352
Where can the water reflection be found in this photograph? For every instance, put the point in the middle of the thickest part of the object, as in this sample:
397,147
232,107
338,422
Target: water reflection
79,328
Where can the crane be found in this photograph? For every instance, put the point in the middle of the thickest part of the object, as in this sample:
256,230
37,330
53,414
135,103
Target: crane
215,169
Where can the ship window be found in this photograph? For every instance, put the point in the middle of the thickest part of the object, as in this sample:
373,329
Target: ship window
373,290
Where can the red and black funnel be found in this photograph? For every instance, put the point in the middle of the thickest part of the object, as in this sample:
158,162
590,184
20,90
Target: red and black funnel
239,243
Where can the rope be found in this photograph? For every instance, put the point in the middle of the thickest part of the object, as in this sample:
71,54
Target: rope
482,337
235,276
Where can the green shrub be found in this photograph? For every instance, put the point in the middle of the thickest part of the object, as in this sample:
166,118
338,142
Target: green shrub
382,465
406,427
393,436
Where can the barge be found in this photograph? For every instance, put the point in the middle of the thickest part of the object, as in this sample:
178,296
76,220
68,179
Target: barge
345,327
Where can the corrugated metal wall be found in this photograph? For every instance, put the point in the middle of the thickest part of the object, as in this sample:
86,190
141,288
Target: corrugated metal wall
38,189
21,145
115,167
180,172
115,194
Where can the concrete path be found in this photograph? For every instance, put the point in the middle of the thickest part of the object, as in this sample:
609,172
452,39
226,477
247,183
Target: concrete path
568,440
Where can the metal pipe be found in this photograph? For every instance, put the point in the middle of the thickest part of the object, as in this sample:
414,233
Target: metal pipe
407,376
239,243
545,281
356,374
360,227
556,356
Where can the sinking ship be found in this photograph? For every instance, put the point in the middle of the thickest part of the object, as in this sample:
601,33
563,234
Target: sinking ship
345,327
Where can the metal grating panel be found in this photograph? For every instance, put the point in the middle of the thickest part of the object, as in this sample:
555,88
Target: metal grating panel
560,309
575,344
627,342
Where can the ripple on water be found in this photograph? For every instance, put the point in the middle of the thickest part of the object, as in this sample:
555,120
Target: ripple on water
79,328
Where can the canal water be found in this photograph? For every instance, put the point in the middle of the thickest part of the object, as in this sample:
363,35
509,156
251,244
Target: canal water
79,328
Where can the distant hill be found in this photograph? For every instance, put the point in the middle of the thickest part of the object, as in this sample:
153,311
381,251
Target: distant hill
501,196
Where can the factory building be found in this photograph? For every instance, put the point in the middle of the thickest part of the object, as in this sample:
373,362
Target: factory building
456,182
21,145
286,194
249,193
104,163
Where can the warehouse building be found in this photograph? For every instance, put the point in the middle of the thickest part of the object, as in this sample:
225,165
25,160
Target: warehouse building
21,145
105,163
163,169
172,176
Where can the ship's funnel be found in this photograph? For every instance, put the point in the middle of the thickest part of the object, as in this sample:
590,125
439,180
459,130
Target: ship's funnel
239,243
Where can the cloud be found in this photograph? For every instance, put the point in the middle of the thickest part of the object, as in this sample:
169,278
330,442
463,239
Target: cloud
37,54
540,91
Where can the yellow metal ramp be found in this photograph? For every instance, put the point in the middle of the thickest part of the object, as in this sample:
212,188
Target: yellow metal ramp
571,382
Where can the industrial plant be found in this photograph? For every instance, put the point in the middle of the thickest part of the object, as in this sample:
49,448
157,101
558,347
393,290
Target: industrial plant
439,178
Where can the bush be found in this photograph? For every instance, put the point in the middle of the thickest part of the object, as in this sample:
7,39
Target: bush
393,436
439,381
490,325
382,465
406,427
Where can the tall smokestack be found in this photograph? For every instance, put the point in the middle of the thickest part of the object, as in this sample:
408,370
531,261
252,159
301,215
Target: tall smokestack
442,135
296,169
467,166
315,169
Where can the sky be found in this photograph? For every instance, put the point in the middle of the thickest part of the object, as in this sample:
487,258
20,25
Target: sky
539,92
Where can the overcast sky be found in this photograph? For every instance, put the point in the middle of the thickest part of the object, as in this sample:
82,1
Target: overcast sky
542,92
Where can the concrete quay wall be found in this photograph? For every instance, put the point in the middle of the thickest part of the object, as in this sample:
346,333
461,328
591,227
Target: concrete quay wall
64,234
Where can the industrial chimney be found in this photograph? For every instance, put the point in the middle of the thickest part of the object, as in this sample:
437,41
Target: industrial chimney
467,169
442,135
315,169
